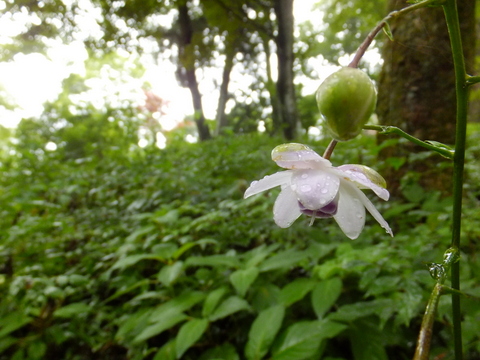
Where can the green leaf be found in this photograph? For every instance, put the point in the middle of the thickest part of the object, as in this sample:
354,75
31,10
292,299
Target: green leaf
121,292
242,279
258,254
324,295
12,322
168,321
367,340
283,260
188,335
133,259
135,323
177,305
212,300
167,351
384,308
188,246
170,273
263,332
229,306
295,291
386,29
213,260
6,342
71,310
225,351
303,339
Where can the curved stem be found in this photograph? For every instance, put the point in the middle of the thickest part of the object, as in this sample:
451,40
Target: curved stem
329,150
440,148
368,40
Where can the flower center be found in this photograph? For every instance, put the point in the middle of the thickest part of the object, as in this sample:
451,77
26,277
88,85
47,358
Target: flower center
324,212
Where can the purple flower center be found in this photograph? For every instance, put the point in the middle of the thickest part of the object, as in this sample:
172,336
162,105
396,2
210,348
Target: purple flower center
324,212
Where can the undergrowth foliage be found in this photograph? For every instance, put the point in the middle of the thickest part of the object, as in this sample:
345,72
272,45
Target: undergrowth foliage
154,254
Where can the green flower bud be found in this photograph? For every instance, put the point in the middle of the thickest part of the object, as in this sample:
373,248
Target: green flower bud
346,100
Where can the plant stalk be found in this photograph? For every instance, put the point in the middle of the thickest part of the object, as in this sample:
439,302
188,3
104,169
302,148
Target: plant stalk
453,25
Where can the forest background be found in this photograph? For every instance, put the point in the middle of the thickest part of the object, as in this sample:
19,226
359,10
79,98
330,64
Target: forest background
125,239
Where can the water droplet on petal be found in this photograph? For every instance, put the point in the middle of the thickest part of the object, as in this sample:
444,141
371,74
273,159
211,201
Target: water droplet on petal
359,216
304,176
322,201
306,188
324,191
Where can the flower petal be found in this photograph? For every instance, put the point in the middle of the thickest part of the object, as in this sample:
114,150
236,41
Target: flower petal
351,211
268,182
286,210
315,188
372,210
365,178
298,156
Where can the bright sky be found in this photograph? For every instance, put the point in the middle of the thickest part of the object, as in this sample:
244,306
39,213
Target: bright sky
30,80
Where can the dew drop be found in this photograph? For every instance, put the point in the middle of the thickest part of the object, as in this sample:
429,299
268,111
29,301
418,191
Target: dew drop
322,201
304,176
306,188
359,216
324,191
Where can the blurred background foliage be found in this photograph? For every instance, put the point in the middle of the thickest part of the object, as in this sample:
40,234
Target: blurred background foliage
112,250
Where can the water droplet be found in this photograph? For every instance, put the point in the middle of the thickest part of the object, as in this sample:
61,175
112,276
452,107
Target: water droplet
254,182
323,201
304,176
306,188
324,191
359,216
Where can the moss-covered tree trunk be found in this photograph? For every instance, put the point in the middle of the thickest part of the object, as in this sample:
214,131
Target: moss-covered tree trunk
417,93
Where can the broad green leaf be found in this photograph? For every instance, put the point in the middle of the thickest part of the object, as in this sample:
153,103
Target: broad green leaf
135,323
167,351
229,306
36,350
213,260
302,339
140,232
133,259
283,260
12,322
6,342
188,246
212,300
71,310
263,332
165,323
257,255
170,273
295,291
384,308
188,335
121,292
225,351
177,305
324,295
367,340
242,279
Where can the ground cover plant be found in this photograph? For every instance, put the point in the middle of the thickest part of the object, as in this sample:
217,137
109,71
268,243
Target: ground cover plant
120,252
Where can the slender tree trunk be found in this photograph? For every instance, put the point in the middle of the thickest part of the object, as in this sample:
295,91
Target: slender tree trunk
285,87
221,117
187,60
417,91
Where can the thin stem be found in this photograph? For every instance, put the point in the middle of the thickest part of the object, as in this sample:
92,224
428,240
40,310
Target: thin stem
329,150
451,16
437,147
425,336
368,40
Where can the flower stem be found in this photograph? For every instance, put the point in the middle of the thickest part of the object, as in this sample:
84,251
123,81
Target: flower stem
329,150
368,40
453,25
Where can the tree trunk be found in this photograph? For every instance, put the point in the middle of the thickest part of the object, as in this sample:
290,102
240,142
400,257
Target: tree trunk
187,60
285,87
417,91
221,118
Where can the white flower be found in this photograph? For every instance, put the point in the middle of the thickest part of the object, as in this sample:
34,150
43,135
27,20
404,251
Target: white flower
312,186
